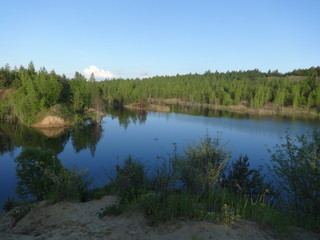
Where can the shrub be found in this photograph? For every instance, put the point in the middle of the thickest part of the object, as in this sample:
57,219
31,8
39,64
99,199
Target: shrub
9,204
112,210
296,167
202,165
41,175
69,185
166,174
34,170
20,211
130,180
183,206
241,179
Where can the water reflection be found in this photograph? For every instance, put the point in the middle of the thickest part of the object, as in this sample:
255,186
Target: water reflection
14,135
86,136
126,116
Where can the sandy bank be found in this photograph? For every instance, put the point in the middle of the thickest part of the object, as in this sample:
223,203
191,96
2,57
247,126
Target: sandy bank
51,122
80,221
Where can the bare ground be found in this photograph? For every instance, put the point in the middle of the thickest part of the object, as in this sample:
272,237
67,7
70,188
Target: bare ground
51,122
80,221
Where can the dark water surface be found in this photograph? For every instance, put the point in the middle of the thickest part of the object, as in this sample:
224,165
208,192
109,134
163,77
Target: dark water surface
144,135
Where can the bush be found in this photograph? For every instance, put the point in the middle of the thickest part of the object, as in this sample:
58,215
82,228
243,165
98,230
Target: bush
241,179
130,180
296,167
9,204
112,210
166,174
202,165
69,185
183,206
20,211
41,175
34,170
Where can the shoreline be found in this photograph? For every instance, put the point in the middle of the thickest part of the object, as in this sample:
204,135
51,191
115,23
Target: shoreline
243,109
76,220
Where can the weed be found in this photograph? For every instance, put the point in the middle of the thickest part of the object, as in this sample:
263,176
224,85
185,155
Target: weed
20,211
9,204
130,180
112,210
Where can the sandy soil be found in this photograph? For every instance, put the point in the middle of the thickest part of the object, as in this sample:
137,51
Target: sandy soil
51,122
5,92
52,132
73,221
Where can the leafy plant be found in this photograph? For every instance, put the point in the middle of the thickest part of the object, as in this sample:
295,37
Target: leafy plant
20,211
71,185
130,180
34,170
112,210
41,175
166,174
228,215
296,167
241,179
202,165
9,204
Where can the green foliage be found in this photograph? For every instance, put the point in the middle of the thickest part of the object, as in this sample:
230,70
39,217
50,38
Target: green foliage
165,175
203,164
34,170
130,180
80,93
41,175
20,211
241,179
296,167
112,210
37,91
9,204
69,185
183,206
228,215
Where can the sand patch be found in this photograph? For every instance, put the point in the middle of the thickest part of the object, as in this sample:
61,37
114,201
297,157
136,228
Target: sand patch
52,132
74,220
51,122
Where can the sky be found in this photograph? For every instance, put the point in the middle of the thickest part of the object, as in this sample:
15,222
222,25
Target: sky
144,38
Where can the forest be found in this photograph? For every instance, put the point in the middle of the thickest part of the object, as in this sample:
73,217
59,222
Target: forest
27,95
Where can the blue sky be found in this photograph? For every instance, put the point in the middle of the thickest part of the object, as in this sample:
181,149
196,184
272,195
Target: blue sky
127,38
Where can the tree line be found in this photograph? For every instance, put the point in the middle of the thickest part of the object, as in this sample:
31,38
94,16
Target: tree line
35,92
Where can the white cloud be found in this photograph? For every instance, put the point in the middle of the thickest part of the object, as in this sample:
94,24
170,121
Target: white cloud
98,73
144,74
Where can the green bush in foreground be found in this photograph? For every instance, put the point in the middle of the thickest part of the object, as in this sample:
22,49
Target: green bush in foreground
202,165
41,174
130,180
296,168
185,187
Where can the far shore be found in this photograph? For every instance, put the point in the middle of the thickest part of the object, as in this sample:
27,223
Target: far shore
267,110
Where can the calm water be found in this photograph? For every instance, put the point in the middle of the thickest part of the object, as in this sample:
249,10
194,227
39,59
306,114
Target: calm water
145,135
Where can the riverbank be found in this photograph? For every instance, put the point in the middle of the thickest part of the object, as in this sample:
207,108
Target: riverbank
267,110
74,220
148,107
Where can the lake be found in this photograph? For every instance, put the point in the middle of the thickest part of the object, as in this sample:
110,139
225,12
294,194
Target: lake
145,135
